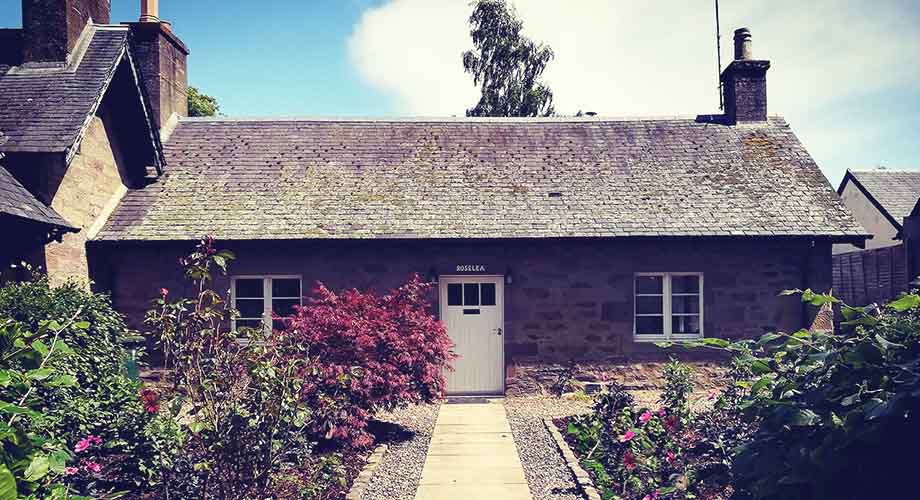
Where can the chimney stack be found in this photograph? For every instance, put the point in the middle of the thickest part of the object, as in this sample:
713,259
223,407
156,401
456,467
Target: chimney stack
162,58
51,28
150,11
744,83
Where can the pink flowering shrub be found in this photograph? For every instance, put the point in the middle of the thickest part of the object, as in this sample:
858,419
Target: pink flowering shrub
636,453
369,352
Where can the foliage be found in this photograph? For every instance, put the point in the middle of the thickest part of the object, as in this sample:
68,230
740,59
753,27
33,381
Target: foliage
241,417
678,385
201,104
103,401
505,64
33,464
368,352
563,382
642,453
833,410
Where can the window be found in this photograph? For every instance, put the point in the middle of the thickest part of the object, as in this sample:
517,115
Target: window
471,294
257,297
668,306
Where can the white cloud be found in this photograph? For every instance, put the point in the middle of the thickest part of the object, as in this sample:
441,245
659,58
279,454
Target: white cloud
625,58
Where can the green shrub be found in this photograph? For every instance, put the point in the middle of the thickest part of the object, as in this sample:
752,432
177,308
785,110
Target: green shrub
104,401
32,464
837,414
678,386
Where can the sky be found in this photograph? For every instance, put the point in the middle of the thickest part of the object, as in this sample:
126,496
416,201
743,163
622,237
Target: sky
844,73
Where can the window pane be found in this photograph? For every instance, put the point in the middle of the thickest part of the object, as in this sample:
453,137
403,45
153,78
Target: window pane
649,284
471,294
454,294
685,324
249,287
286,287
685,304
250,308
649,305
649,325
685,284
488,294
284,307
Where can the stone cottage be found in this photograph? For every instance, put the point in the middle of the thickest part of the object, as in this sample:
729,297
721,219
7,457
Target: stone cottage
550,239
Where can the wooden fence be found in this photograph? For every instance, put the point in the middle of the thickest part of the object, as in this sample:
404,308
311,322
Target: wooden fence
867,276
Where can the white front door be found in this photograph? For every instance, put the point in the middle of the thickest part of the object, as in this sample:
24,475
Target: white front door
472,308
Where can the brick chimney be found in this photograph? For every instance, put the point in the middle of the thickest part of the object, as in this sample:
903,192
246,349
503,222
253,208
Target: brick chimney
51,28
744,83
162,59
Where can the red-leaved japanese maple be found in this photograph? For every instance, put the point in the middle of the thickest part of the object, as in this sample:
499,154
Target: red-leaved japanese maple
369,352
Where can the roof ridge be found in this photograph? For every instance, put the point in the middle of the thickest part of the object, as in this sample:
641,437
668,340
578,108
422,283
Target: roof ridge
905,170
445,119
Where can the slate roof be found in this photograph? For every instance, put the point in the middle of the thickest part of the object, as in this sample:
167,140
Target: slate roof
44,107
894,192
17,201
482,178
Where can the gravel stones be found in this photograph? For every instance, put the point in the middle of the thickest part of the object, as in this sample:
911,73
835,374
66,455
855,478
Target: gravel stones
546,471
400,470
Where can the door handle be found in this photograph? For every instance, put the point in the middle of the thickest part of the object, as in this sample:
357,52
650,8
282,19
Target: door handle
498,331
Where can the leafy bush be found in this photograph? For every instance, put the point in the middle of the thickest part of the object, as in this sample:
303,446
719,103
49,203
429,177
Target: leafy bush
240,418
678,386
103,401
33,464
836,414
641,453
368,352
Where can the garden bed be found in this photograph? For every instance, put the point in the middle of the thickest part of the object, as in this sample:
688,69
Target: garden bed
544,468
407,437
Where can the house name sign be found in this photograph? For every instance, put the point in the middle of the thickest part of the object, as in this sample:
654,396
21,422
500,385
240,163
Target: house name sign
471,268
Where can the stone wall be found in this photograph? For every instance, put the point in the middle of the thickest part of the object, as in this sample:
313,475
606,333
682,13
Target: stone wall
569,299
82,192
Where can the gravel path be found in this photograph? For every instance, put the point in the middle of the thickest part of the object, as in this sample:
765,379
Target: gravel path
546,472
399,472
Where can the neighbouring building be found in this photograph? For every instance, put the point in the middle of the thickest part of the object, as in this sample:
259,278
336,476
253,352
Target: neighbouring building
551,239
881,200
76,121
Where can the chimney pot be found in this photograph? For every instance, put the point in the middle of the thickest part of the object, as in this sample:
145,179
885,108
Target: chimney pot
150,11
743,51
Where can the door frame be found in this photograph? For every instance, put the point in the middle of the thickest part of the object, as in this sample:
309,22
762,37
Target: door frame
444,279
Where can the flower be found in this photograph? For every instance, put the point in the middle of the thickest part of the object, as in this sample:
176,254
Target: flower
164,292
629,461
70,471
82,445
95,440
670,423
92,466
651,496
661,412
151,400
625,438
645,417
670,457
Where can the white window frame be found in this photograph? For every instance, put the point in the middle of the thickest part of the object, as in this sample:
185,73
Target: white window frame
266,294
666,309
